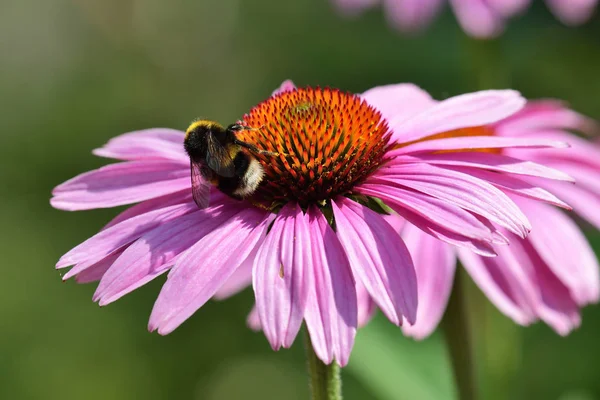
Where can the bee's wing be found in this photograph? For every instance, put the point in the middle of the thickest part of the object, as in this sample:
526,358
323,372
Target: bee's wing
218,158
201,175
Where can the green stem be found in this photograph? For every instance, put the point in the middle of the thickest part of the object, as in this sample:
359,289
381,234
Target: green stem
325,380
458,332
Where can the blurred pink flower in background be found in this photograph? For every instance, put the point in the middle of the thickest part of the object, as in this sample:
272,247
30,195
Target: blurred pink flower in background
550,274
398,146
478,18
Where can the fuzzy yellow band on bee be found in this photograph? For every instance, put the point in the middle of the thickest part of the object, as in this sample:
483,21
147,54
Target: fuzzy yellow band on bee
206,123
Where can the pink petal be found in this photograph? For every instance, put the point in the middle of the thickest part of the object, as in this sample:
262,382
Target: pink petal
396,221
514,185
379,259
279,277
481,247
540,115
365,305
121,183
436,212
585,176
468,110
286,86
477,18
583,201
435,262
551,301
572,12
203,268
253,320
331,310
565,250
580,152
240,279
503,282
183,196
112,239
460,189
491,162
398,102
86,273
466,143
149,144
154,253
411,15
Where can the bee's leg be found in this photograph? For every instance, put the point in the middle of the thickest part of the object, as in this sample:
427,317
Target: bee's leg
255,149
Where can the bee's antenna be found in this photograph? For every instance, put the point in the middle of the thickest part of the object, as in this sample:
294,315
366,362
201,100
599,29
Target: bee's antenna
249,128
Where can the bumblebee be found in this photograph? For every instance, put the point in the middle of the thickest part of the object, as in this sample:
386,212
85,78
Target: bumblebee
219,158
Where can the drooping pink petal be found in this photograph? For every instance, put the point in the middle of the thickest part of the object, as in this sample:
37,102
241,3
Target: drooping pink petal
583,202
581,151
240,279
365,305
565,250
503,282
279,276
542,115
398,102
487,161
437,212
205,266
155,252
411,15
551,301
585,176
379,259
86,273
112,239
149,144
253,320
331,309
572,12
435,263
466,143
121,183
467,110
514,185
460,189
481,247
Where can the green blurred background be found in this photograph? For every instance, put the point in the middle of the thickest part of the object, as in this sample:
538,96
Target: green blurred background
74,73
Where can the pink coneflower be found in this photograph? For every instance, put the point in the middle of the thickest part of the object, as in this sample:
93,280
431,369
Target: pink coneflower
309,234
550,274
479,18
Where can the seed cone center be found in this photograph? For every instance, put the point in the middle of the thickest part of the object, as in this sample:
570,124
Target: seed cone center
327,141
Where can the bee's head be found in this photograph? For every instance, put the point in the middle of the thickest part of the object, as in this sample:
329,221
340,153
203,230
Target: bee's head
195,137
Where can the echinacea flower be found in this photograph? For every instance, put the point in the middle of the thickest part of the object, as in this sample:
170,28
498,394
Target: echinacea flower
550,274
478,18
308,236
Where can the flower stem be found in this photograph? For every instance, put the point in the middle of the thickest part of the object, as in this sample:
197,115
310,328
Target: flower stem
325,380
458,332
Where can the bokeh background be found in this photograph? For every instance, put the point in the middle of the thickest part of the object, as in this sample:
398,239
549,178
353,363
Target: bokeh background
74,73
